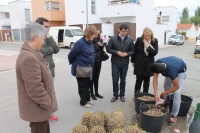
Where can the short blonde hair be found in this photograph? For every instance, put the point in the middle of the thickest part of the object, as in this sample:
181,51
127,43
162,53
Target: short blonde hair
148,31
89,31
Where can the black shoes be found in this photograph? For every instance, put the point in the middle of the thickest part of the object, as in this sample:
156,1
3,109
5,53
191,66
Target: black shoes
93,97
99,96
122,98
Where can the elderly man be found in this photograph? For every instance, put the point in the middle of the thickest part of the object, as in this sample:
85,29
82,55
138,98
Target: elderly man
36,95
174,71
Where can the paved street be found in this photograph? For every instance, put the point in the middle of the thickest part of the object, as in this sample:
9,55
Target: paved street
70,112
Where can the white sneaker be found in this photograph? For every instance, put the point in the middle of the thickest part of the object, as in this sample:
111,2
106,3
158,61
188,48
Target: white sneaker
87,106
90,102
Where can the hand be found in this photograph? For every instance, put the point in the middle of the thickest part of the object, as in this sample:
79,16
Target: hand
99,43
48,35
125,54
146,43
133,64
163,95
157,98
120,54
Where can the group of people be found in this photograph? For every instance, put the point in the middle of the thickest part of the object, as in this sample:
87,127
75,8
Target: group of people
35,70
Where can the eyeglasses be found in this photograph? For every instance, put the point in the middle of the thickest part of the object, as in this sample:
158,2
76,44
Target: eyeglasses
48,27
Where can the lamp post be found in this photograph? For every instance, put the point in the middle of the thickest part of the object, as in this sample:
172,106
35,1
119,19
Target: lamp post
86,12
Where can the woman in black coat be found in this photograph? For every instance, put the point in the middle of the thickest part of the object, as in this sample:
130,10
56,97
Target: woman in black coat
146,47
97,68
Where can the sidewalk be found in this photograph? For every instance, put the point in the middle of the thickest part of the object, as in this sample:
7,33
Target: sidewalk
7,62
11,42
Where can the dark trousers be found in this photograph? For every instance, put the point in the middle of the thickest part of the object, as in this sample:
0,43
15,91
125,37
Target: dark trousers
138,83
83,90
95,80
119,71
40,127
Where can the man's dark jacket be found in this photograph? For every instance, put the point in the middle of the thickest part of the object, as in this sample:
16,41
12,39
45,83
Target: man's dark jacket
116,44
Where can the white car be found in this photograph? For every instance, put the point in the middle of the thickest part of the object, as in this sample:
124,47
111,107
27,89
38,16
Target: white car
197,46
66,36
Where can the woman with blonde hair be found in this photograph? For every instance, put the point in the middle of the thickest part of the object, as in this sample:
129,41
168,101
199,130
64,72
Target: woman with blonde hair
83,54
146,47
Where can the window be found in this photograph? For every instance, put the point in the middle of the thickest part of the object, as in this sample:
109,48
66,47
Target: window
68,33
27,15
77,32
52,5
7,15
165,18
93,6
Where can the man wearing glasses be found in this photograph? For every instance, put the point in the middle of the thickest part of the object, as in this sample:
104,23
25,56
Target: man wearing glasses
48,49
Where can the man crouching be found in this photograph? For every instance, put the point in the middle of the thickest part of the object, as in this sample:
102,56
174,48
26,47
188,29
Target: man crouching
174,71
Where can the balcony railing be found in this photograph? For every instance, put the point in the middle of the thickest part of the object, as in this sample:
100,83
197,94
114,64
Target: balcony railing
5,22
116,2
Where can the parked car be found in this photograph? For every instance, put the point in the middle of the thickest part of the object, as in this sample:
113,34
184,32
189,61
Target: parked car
66,36
177,40
171,39
197,47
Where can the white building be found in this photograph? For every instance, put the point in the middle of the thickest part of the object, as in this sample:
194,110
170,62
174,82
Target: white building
107,15
4,23
20,15
168,22
191,31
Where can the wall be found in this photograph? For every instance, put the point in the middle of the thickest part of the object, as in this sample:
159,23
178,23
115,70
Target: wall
38,8
145,17
190,33
17,13
172,13
113,20
4,8
108,29
2,15
159,33
74,15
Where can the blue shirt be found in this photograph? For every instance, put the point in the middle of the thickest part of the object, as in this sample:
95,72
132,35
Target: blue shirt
82,54
175,66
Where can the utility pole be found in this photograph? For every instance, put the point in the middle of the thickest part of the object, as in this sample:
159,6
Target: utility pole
86,12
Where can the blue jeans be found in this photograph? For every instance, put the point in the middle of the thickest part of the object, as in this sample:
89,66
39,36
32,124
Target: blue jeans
177,94
119,71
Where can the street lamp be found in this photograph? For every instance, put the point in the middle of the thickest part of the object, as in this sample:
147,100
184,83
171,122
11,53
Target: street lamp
86,12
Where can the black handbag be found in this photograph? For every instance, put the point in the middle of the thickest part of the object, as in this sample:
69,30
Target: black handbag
104,56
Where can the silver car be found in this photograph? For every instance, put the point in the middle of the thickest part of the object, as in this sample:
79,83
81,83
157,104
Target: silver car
177,40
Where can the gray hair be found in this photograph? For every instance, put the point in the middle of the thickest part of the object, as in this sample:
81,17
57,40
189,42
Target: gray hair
33,29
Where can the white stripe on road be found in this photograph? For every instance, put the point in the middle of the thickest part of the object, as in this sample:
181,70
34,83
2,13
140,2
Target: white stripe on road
8,53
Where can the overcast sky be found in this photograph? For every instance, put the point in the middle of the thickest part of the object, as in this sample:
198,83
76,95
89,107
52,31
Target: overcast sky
180,4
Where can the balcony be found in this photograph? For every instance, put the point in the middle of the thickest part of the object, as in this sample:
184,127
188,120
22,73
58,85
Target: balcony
4,22
116,2
127,10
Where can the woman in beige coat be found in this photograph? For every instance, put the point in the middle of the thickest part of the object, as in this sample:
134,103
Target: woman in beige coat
36,95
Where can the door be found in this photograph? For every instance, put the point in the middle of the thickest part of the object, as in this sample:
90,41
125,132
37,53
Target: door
68,37
22,35
131,30
16,35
